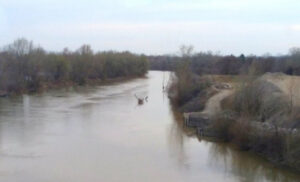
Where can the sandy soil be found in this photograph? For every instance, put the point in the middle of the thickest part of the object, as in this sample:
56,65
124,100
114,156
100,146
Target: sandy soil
213,105
289,85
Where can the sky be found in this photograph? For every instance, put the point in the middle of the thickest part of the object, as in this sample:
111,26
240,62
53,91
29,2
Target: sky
155,26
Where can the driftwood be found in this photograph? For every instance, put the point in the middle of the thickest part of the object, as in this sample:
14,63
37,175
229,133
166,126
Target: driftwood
141,100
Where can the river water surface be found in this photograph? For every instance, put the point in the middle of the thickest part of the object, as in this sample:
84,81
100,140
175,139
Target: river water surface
100,134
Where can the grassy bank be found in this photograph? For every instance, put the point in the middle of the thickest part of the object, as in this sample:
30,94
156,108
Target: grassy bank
25,67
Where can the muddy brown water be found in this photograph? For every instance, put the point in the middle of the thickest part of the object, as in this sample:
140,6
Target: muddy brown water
94,134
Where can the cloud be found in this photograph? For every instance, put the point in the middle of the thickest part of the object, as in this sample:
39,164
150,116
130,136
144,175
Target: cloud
295,28
3,21
155,26
164,37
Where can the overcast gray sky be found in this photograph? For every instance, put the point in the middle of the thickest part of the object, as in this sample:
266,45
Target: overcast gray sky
155,27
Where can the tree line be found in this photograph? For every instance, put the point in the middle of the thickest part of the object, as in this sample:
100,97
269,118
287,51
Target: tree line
209,63
26,67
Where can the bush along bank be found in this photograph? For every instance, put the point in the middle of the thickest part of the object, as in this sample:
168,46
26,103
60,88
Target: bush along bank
28,68
257,116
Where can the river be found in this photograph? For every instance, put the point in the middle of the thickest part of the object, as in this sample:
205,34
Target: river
100,133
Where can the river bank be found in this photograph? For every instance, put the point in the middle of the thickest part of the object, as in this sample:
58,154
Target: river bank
70,85
253,115
26,68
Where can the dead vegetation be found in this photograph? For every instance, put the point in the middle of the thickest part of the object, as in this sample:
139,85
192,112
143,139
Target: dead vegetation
25,67
189,91
254,114
255,110
263,118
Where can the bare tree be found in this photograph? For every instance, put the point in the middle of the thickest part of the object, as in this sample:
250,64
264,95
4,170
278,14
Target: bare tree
85,50
20,47
186,51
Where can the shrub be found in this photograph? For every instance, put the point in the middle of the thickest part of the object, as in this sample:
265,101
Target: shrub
222,124
240,132
270,144
259,100
293,151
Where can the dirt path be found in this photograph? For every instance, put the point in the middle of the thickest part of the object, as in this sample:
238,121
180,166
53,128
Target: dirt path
213,105
288,84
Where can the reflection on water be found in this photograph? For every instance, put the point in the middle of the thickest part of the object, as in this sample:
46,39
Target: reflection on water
102,134
176,143
247,167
